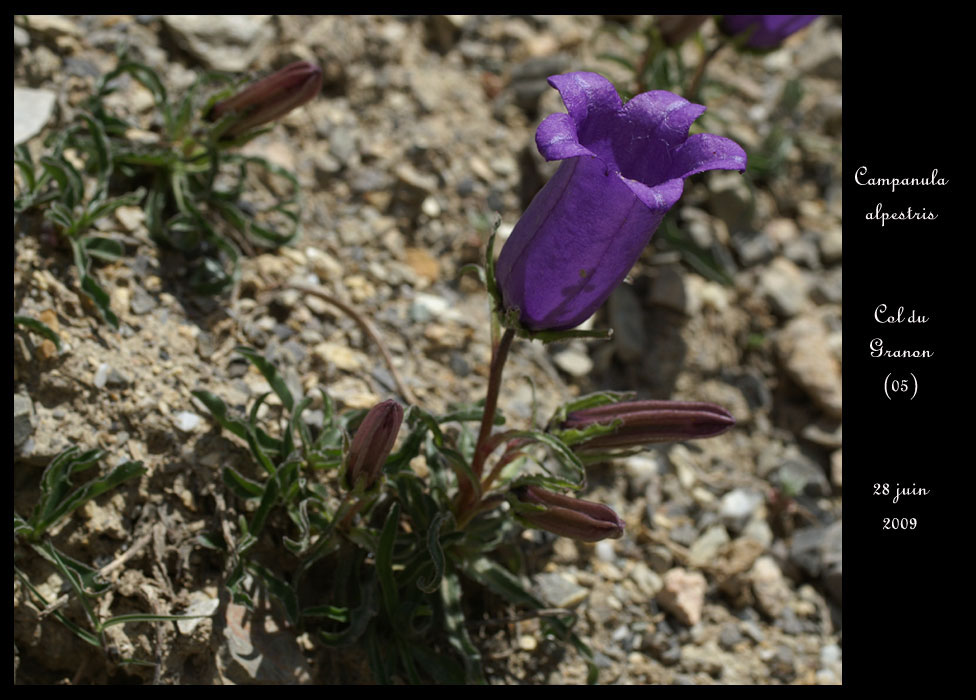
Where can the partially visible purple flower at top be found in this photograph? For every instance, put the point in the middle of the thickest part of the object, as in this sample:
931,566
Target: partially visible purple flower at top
767,31
271,97
623,168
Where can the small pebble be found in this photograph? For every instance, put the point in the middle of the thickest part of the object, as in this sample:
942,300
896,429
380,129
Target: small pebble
187,421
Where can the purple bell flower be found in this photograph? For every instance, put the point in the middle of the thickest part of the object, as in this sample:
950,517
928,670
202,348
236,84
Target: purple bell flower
624,168
768,31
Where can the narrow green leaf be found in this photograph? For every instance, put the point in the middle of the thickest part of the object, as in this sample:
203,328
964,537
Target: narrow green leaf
242,487
218,409
140,617
457,633
103,248
101,299
384,561
39,327
95,488
103,159
42,603
359,618
436,555
279,589
102,209
268,500
270,373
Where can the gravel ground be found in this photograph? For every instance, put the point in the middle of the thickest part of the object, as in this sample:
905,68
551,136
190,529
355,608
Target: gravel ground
730,569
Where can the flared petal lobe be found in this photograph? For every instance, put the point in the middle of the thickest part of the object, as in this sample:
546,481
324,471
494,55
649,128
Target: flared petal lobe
623,169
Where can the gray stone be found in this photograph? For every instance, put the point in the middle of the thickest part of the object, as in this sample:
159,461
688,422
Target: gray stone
771,589
32,110
683,595
753,247
799,474
729,636
574,362
222,42
559,590
803,251
806,549
141,302
823,58
21,37
737,507
668,290
785,287
831,245
187,421
804,350
23,421
729,198
829,287
627,322
443,31
706,547
833,560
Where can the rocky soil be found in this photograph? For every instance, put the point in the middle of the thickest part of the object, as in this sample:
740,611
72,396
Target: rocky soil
730,569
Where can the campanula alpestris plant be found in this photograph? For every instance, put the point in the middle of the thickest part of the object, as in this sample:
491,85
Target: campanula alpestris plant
624,167
765,31
405,527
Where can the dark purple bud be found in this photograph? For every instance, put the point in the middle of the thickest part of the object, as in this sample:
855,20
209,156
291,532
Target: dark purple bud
765,31
271,97
372,443
645,422
676,28
624,167
569,517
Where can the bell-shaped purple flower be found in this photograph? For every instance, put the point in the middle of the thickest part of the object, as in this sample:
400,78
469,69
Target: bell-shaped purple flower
623,168
372,443
765,31
640,423
271,97
569,517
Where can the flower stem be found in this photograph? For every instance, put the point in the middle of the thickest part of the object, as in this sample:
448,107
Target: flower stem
499,354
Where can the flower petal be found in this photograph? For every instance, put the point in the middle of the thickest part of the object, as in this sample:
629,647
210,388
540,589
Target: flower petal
556,138
659,198
576,241
703,152
586,96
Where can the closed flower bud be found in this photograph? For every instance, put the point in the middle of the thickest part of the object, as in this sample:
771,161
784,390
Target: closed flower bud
624,167
568,517
372,443
764,31
644,422
271,97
